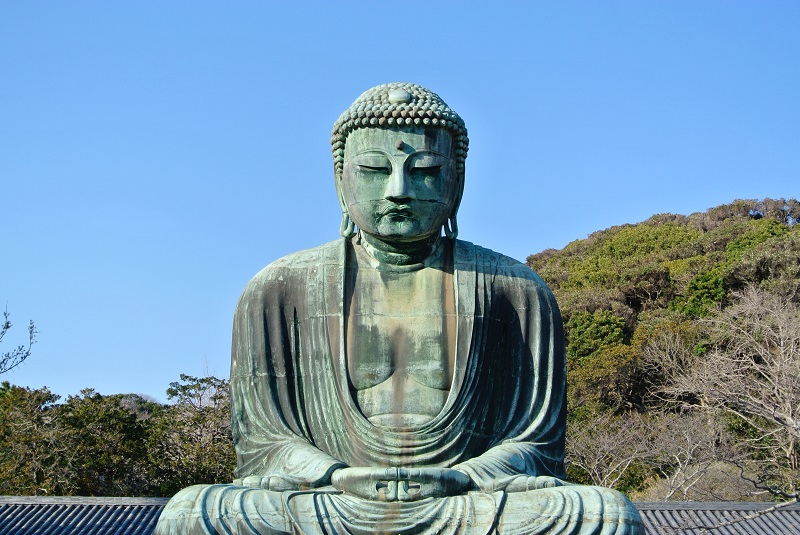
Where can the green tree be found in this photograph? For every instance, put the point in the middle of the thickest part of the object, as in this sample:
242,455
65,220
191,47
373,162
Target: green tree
190,441
108,445
588,333
33,458
704,294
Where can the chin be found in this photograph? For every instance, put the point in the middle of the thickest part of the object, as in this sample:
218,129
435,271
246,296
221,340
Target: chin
403,237
404,232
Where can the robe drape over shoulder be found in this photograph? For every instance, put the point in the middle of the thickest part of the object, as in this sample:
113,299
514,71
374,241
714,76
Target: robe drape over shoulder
293,412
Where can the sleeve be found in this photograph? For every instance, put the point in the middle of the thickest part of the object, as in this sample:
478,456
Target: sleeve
269,433
531,426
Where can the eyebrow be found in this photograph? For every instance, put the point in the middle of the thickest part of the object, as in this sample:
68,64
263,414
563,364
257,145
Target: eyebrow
428,151
377,150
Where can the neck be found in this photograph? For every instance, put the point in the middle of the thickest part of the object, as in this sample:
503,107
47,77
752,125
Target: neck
399,253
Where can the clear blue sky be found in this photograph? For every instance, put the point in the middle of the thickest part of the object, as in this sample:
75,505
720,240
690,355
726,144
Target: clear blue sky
155,155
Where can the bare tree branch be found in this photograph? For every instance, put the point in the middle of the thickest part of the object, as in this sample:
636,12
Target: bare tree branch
11,359
751,372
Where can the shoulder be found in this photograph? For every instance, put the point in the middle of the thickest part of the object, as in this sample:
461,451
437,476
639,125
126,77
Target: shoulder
509,278
500,265
301,260
295,268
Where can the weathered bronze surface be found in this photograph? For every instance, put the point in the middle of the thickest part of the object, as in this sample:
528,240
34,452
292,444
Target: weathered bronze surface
398,380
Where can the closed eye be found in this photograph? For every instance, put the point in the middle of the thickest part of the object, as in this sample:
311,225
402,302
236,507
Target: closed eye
375,168
372,162
429,170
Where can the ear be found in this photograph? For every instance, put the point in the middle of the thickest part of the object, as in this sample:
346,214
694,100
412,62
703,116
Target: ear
459,194
347,228
337,177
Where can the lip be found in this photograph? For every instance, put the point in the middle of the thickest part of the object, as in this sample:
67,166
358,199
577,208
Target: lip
402,209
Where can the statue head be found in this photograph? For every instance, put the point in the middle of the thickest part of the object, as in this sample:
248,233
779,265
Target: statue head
399,154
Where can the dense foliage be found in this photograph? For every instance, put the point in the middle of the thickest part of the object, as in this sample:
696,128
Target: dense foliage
118,445
656,315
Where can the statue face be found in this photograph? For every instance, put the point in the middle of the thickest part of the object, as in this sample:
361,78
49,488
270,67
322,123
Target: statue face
399,185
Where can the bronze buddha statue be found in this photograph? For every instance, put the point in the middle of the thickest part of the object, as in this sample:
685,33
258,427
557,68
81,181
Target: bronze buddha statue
398,380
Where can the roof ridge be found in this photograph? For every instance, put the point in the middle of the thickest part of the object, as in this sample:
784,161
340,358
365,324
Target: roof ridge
712,506
82,500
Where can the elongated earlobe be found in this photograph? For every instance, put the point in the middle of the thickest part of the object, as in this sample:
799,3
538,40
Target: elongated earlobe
347,229
451,227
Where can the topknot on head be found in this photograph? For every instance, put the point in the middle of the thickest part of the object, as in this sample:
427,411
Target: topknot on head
398,105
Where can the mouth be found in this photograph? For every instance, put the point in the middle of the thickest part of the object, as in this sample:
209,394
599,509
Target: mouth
399,210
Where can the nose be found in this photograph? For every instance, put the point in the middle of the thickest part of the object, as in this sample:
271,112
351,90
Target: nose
399,188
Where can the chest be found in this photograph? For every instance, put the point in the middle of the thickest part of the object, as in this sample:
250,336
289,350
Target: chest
401,326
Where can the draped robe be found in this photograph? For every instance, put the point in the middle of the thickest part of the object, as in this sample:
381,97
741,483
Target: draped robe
294,415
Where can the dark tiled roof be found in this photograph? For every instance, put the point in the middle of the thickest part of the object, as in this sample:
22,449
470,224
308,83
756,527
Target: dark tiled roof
28,515
678,518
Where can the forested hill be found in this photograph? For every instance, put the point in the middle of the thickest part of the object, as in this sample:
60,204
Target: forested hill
683,352
620,284
683,263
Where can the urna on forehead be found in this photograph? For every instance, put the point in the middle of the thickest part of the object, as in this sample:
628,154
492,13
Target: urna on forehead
399,105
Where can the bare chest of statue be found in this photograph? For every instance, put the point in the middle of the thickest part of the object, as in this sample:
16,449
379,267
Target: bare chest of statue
400,338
